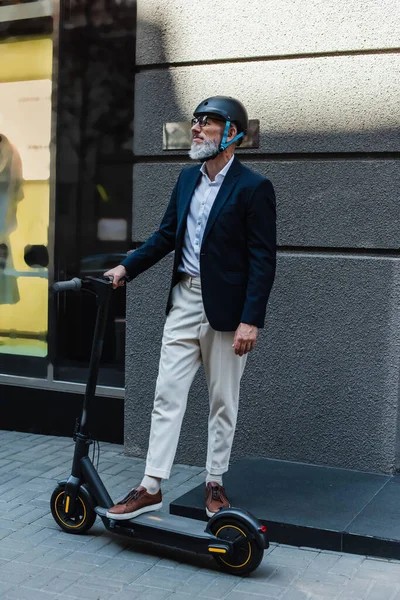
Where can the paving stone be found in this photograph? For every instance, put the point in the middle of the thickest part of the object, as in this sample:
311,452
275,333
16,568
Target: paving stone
356,588
27,594
369,570
139,592
10,466
381,590
248,586
292,551
112,549
61,582
316,589
38,560
126,574
107,587
234,595
282,576
347,565
140,553
14,577
86,559
28,471
113,481
24,532
292,594
18,546
40,536
52,558
114,469
61,538
56,473
111,568
74,566
219,587
11,481
8,554
382,565
5,587
33,554
98,542
17,512
323,561
81,593
295,562
33,515
17,567
16,492
160,577
199,582
10,525
4,533
326,578
39,484
41,580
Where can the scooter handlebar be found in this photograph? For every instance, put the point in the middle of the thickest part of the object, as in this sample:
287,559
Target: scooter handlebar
63,286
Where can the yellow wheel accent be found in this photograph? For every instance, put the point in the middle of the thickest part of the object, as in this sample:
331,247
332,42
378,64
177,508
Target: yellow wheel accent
65,523
248,543
81,519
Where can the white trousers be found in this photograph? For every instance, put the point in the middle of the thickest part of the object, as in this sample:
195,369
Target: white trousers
188,341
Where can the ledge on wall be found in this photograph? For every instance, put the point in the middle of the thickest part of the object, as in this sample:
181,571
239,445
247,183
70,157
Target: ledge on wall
308,505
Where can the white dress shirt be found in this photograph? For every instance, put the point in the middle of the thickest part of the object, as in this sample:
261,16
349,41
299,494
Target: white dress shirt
200,206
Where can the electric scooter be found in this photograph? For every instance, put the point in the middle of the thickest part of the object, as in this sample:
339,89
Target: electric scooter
234,537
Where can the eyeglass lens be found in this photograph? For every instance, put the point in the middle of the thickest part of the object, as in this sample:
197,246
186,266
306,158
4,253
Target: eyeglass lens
202,121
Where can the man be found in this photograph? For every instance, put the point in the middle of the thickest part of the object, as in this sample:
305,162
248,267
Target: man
221,223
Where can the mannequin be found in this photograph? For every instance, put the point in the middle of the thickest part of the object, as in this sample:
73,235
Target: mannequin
11,193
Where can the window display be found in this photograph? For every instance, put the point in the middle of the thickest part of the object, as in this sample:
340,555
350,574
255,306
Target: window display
25,129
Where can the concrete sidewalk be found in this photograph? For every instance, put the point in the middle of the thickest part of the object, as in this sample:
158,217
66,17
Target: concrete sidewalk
40,562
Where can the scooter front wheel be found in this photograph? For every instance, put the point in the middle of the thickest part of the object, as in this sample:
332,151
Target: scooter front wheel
246,555
80,521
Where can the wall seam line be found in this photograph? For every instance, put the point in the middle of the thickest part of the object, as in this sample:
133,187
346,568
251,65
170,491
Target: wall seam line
139,68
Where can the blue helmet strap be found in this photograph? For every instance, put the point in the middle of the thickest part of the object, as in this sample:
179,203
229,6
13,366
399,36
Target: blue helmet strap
224,144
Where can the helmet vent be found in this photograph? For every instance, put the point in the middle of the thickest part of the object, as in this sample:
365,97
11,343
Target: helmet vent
205,103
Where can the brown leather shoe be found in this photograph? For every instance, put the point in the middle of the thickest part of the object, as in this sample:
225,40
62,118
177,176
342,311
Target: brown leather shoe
136,502
215,498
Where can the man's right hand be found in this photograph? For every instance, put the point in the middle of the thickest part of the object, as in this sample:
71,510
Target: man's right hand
117,273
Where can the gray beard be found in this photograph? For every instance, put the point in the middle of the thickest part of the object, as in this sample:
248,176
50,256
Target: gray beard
208,149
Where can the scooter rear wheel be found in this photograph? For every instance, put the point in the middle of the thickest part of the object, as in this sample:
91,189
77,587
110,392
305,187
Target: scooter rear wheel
82,518
247,554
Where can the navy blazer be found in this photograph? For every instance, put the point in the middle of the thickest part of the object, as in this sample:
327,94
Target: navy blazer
238,252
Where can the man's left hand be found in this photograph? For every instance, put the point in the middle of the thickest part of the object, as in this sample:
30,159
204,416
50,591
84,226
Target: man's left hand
245,338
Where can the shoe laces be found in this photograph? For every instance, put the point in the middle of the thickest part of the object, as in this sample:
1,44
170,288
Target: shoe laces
216,492
132,495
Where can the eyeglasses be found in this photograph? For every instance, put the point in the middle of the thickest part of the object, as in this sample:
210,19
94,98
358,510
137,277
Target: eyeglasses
203,120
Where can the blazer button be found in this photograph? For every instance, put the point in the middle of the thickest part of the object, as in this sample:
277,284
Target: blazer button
202,253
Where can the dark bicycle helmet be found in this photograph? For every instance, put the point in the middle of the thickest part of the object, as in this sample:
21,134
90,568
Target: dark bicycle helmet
231,110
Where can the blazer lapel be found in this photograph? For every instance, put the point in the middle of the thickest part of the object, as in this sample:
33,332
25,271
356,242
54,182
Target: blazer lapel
185,197
225,191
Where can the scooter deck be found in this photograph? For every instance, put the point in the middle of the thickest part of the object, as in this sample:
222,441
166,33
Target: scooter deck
164,521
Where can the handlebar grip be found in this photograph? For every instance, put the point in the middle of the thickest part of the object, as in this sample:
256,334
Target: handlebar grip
63,286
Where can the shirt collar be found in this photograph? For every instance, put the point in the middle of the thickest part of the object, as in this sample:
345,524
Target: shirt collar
219,175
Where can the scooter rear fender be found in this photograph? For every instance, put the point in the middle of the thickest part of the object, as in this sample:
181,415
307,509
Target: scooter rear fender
237,514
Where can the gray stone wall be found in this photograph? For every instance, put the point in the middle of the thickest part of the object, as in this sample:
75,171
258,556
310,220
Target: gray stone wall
323,78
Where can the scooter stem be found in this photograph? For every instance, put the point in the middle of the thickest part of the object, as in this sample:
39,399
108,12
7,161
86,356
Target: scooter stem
102,290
